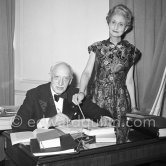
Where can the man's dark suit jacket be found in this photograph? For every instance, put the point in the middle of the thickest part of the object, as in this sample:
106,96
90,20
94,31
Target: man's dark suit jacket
39,103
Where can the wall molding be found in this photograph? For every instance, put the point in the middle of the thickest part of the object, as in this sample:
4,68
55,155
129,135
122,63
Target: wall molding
20,92
32,81
22,85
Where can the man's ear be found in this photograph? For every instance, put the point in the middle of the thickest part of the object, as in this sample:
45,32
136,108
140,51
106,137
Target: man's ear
70,81
126,28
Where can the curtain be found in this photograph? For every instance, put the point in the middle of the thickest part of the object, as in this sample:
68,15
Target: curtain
157,67
7,15
149,37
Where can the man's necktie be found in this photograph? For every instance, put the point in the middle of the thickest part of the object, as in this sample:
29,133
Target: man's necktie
56,97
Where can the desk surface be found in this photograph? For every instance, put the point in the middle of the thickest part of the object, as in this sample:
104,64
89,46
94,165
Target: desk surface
140,150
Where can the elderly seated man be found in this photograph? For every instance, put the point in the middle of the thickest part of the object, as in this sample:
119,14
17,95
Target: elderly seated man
51,104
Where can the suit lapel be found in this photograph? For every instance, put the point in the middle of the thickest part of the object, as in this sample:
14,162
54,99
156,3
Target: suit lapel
47,104
46,101
70,110
52,108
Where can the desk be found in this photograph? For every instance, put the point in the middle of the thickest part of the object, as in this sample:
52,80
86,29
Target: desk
132,153
7,113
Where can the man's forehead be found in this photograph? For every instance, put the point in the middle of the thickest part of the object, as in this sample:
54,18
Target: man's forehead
61,71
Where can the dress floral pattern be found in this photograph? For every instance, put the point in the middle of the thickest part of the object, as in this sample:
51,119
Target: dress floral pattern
109,89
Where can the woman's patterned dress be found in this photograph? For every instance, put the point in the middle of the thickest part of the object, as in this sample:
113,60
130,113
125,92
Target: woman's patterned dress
108,89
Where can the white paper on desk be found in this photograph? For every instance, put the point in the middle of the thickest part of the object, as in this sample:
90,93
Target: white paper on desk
99,144
5,127
77,126
21,137
25,136
99,131
83,123
69,129
6,122
162,132
110,137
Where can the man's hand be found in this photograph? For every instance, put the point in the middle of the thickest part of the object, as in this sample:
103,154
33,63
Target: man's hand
77,98
59,119
134,110
43,123
105,121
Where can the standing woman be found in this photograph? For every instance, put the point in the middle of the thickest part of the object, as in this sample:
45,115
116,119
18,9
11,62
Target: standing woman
113,60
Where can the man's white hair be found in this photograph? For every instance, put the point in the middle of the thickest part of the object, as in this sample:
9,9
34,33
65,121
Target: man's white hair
61,63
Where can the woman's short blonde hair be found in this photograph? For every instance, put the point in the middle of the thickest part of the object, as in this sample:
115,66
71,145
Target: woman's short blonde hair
124,11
